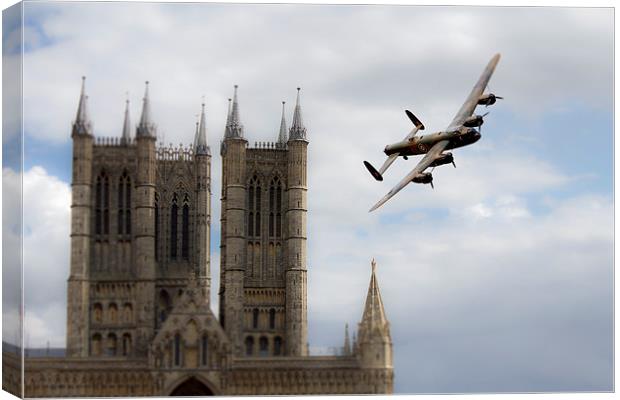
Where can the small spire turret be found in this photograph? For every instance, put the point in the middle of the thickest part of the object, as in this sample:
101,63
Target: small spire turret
146,126
82,124
201,147
234,128
283,135
298,131
347,343
126,136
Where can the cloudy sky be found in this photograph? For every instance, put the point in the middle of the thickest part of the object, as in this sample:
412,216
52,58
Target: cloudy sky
500,279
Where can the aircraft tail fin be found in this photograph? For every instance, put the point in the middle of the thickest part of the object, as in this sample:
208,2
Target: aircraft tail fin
373,171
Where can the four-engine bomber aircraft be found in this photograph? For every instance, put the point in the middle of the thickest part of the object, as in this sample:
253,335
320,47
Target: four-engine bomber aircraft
461,132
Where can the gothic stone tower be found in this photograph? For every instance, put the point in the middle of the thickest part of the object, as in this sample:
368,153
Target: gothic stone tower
140,230
263,244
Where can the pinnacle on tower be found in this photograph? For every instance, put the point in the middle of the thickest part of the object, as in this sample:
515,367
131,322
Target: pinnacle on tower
298,131
146,127
201,147
126,136
234,128
226,130
283,136
82,124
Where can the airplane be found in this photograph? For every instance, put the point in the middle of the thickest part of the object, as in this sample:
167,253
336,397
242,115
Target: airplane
461,132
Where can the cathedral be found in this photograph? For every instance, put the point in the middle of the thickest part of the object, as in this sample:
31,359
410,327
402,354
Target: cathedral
139,319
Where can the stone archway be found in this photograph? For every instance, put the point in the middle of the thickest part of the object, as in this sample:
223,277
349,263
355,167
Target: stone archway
192,387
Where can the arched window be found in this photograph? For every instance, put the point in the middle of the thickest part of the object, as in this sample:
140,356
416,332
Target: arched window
255,318
249,346
279,209
102,204
204,344
174,213
277,346
185,230
272,319
112,313
164,306
126,344
97,312
124,205
127,312
272,195
95,345
156,226
263,346
177,349
111,348
254,206
275,208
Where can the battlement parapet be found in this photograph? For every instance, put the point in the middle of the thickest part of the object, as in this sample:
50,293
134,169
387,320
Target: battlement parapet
109,141
171,153
269,145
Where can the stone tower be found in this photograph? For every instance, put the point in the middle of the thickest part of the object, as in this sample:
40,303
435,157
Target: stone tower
263,247
296,216
81,185
140,231
144,236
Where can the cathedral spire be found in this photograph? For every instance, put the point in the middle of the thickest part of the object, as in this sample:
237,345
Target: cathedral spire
373,319
283,136
298,131
146,127
347,343
201,135
82,124
234,126
126,136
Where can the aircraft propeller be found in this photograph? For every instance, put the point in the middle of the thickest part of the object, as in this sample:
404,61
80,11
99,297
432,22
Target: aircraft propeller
480,127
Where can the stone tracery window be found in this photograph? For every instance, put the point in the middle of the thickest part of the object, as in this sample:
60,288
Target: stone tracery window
156,226
124,205
275,208
102,204
174,211
185,229
254,208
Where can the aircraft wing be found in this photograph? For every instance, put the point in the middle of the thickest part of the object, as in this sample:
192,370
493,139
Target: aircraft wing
470,104
428,159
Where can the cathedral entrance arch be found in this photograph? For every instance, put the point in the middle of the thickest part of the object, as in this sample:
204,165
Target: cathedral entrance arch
192,387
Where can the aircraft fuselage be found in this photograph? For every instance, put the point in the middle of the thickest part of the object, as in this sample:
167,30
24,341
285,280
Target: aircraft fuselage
422,144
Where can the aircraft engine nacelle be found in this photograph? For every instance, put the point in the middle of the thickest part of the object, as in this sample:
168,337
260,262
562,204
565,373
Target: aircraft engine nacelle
488,99
474,121
443,159
424,178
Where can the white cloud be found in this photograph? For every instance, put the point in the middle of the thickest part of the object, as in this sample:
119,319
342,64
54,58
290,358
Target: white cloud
46,202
